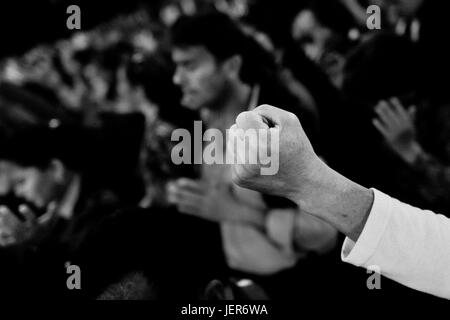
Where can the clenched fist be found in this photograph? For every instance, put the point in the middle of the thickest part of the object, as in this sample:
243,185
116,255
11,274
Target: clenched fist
287,143
301,176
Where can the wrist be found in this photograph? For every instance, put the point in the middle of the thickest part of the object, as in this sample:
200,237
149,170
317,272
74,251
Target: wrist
337,200
313,188
412,153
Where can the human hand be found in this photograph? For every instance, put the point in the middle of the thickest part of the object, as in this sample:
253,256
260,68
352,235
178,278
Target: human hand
298,163
216,204
14,231
396,124
302,177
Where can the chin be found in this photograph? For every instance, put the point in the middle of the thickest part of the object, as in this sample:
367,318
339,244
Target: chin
191,107
191,104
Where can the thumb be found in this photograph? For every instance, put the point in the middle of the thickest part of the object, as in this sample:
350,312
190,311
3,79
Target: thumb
270,115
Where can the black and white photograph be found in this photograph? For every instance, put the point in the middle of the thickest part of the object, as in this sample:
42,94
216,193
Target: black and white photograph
226,158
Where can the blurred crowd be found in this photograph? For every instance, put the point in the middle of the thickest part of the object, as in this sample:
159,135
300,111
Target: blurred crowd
86,122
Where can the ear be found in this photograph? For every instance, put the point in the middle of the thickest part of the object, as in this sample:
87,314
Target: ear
233,66
57,170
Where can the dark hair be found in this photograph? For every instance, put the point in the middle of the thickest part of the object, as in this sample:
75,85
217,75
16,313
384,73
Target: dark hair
332,14
154,74
216,31
30,105
105,156
223,38
37,146
116,143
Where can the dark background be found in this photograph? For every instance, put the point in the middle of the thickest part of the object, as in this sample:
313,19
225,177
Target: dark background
24,24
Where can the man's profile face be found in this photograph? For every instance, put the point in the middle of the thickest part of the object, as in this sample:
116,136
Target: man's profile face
200,77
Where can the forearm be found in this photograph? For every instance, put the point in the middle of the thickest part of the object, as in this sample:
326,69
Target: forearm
251,216
411,154
314,234
337,200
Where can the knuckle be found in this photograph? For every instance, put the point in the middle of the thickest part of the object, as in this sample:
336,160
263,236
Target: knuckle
265,107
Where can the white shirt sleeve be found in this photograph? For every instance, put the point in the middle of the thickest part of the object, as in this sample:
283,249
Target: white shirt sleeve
407,244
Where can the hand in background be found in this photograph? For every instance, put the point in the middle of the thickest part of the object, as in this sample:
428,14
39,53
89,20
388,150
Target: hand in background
15,231
396,124
216,204
12,229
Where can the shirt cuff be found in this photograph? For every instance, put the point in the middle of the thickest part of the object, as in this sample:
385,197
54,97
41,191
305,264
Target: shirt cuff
360,252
